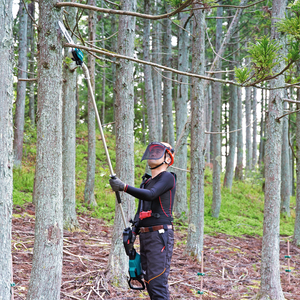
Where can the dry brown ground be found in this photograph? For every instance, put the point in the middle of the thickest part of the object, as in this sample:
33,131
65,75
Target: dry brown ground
231,264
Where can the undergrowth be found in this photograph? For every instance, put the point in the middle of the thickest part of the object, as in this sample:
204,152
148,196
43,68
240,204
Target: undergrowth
241,210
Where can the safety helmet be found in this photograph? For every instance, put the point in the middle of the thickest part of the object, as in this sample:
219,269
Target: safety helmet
157,150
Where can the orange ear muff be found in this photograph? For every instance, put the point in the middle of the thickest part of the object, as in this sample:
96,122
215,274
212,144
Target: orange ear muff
172,157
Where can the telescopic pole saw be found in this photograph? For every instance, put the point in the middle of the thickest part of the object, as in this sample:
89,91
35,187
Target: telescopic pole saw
77,56
135,269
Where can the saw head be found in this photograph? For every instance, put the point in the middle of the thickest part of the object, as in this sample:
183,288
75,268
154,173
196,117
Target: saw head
74,53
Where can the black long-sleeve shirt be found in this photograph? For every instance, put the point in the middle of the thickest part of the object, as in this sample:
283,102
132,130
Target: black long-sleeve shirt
156,194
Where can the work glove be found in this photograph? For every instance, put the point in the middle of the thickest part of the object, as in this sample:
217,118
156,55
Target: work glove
116,184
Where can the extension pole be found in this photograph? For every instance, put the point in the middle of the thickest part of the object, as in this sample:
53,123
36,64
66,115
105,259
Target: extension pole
112,175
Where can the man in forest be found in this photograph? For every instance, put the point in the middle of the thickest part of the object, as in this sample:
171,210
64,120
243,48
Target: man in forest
153,219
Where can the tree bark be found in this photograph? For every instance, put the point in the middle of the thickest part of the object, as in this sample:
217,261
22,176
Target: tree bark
254,143
46,271
216,125
168,127
296,237
208,124
194,244
69,134
285,165
89,196
228,179
262,126
157,79
152,135
21,87
240,143
270,267
118,261
180,202
31,52
248,131
6,145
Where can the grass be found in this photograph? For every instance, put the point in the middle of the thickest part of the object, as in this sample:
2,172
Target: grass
241,210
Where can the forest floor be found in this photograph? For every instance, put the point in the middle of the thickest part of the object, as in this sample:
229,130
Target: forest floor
231,264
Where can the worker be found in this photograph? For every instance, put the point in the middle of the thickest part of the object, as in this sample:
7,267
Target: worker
153,219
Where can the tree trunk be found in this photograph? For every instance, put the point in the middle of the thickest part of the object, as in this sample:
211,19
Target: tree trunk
262,126
194,244
285,165
180,202
31,52
6,145
118,261
113,66
69,134
152,135
216,125
233,99
104,74
208,124
248,131
157,79
168,127
240,143
270,271
89,196
254,143
46,271
21,87
296,237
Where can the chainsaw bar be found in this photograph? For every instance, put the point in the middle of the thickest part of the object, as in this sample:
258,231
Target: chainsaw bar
65,32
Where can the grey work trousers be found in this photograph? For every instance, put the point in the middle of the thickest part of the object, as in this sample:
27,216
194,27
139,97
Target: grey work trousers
156,253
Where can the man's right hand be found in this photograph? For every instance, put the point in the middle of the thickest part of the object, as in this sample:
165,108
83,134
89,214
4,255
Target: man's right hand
116,184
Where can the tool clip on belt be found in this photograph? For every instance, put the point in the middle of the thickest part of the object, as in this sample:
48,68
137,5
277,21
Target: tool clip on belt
148,214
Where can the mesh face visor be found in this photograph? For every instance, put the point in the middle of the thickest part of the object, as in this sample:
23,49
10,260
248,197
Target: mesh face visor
154,151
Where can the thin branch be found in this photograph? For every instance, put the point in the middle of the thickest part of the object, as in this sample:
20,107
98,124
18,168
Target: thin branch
123,12
27,79
212,48
279,87
289,113
107,1
215,72
26,71
229,17
232,6
33,20
103,59
105,39
112,54
171,78
182,28
230,131
180,169
291,146
290,100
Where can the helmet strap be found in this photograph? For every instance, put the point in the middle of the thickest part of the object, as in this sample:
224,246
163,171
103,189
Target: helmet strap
164,162
158,165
